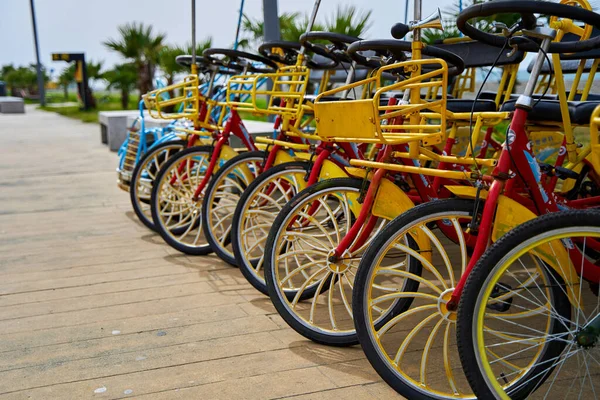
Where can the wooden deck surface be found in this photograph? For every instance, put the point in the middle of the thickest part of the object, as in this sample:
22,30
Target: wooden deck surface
93,305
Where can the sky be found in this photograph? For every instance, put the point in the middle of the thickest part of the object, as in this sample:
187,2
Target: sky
82,25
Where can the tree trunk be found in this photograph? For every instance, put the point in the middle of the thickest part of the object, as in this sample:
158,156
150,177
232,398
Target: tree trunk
145,75
125,98
66,91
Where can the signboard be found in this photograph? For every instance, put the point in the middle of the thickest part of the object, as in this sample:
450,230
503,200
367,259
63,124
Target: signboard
80,75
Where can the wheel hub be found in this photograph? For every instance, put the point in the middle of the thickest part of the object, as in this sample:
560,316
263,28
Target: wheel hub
587,337
338,265
443,305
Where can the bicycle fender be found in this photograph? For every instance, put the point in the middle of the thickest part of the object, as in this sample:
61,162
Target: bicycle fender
302,156
466,192
511,214
390,202
227,153
330,170
358,172
283,156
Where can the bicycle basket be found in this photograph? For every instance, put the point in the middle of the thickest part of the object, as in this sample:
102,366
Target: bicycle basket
373,121
277,93
180,100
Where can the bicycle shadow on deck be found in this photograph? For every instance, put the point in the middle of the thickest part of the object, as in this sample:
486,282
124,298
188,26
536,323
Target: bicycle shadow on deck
339,363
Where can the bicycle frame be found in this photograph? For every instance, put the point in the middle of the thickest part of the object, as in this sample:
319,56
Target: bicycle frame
518,156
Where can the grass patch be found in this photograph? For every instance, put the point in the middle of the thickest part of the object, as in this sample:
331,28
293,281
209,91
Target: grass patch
104,102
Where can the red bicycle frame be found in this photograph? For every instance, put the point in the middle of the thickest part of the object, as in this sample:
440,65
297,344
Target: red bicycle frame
517,156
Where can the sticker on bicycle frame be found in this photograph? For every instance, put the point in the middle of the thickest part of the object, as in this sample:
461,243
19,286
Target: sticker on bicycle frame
511,136
537,174
562,151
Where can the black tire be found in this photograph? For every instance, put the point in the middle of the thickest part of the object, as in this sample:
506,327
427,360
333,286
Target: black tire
247,267
333,337
492,258
154,169
361,318
220,248
204,249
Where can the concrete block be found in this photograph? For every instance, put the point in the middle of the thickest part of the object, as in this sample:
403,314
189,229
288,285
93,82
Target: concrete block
12,105
255,128
114,123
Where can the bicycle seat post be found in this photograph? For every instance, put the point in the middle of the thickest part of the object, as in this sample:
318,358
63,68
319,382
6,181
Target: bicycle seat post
547,35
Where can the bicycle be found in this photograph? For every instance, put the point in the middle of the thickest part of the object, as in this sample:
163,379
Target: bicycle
520,322
149,160
291,137
460,229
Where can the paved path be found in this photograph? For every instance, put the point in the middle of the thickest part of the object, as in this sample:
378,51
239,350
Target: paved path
93,305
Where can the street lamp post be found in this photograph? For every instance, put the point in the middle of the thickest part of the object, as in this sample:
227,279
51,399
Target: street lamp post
271,17
40,77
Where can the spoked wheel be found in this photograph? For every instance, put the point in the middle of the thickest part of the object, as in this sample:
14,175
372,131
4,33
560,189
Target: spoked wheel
312,294
144,174
255,215
175,211
525,330
415,350
221,198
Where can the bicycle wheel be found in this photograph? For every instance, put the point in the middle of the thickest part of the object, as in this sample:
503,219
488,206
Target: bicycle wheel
520,336
144,174
175,212
221,198
255,214
297,252
415,350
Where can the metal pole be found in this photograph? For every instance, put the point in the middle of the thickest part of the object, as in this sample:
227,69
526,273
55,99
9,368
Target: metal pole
271,17
38,67
417,17
460,8
193,36
239,25
311,21
406,12
272,30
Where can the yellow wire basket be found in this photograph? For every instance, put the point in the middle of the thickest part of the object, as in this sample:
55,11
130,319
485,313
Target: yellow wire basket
180,100
372,121
595,140
284,89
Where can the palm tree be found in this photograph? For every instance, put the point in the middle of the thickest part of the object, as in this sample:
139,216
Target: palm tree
200,46
431,36
66,77
122,77
346,20
139,45
4,72
290,26
349,21
166,61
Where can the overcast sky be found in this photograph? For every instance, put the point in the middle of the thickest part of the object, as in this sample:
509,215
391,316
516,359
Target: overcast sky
82,25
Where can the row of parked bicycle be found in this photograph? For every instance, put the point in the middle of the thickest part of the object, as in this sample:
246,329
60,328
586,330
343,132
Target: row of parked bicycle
455,239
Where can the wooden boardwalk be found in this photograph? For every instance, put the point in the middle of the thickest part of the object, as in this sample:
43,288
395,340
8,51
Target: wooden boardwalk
93,305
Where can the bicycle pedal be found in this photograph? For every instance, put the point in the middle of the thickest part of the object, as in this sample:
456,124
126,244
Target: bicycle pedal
565,173
502,305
